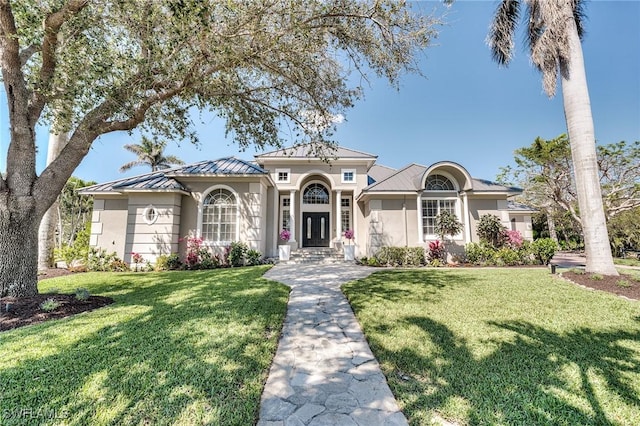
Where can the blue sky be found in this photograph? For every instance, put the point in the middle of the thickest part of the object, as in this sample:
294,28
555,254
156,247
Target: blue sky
466,110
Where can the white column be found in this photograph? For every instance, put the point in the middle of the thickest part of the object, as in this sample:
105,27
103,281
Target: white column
276,226
419,218
338,220
292,213
467,219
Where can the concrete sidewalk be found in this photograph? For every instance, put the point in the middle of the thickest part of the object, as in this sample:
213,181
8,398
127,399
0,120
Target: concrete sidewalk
324,372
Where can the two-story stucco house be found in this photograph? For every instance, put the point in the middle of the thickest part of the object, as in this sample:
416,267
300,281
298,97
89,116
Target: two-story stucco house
316,199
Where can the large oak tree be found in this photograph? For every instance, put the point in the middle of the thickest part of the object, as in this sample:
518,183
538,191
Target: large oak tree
112,65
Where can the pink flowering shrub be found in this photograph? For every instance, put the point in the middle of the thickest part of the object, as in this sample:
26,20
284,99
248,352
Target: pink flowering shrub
196,253
349,234
285,235
514,239
436,250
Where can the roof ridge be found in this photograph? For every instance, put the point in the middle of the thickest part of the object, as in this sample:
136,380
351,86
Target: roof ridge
398,171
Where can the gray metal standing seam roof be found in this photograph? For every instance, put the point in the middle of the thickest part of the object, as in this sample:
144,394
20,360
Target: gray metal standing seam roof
164,180
312,150
222,166
409,178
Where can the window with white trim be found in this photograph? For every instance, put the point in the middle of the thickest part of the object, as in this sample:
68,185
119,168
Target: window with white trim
283,175
150,214
315,194
285,213
439,183
220,216
345,214
431,208
348,176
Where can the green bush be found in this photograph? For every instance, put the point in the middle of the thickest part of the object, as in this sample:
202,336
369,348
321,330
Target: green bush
507,257
254,257
491,231
82,294
161,263
100,260
400,256
480,254
49,305
78,251
544,249
237,253
174,262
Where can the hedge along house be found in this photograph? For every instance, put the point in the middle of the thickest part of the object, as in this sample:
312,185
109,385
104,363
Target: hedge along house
316,196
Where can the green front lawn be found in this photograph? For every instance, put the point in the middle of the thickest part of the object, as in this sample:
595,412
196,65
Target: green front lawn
175,348
626,262
502,346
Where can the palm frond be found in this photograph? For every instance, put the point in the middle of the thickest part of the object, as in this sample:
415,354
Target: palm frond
502,31
132,164
579,15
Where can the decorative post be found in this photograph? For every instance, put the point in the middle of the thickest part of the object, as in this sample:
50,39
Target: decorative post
338,220
292,215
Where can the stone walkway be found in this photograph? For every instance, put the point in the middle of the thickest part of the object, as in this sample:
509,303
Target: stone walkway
324,372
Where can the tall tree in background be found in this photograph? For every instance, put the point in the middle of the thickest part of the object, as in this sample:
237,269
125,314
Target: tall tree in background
115,65
554,33
51,218
150,153
544,171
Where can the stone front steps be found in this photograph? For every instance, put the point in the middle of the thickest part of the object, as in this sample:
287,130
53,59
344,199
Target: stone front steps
320,255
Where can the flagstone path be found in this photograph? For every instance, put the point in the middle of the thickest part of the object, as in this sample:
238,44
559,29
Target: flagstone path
324,372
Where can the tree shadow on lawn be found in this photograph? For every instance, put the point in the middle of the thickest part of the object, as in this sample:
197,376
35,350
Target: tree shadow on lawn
383,285
181,349
523,381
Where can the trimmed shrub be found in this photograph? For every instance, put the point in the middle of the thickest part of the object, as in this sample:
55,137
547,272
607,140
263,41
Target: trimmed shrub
237,253
174,262
491,231
480,254
544,249
400,256
99,260
506,256
437,252
254,257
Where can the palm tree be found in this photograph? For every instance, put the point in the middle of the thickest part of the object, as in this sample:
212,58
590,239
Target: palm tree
554,32
150,153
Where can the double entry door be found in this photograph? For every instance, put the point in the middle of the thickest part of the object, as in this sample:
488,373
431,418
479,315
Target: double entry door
315,229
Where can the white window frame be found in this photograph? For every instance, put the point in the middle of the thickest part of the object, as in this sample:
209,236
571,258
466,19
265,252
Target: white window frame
458,213
282,210
348,209
277,176
201,213
343,172
150,214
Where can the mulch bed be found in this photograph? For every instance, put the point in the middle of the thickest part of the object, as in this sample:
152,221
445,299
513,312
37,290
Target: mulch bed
624,285
26,310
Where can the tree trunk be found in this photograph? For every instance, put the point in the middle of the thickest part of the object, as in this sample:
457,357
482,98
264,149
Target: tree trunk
577,109
551,224
19,246
46,232
46,237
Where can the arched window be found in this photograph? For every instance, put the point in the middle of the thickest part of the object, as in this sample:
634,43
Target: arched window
439,183
219,216
435,204
315,194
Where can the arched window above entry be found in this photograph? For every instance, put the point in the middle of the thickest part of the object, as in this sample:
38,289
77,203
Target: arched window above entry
439,183
219,216
315,194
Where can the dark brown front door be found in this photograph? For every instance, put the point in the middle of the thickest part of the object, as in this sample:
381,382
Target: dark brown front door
315,227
